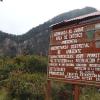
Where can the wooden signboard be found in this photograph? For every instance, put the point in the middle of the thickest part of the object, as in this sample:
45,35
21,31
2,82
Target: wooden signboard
74,54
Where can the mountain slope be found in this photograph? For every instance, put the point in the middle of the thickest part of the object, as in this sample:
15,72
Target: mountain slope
36,40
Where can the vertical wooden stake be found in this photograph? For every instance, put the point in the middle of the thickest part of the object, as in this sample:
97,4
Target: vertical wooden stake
76,92
49,90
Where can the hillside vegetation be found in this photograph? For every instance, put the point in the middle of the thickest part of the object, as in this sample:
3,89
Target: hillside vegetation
23,77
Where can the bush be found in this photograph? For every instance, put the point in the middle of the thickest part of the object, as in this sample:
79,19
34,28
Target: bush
89,93
23,77
24,86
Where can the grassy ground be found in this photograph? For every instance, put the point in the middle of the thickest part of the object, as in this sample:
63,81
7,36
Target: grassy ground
89,93
3,94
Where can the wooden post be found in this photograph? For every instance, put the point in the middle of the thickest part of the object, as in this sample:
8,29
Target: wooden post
76,92
48,97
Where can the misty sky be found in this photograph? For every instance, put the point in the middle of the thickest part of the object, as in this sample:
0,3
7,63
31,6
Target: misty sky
19,16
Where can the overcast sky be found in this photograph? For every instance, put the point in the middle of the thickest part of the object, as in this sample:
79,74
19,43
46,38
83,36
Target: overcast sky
19,16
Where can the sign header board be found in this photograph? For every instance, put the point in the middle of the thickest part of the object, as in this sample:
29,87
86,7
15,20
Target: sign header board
74,54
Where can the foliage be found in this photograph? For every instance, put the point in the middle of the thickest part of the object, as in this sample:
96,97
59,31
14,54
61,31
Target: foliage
31,63
23,77
62,91
4,94
24,86
90,93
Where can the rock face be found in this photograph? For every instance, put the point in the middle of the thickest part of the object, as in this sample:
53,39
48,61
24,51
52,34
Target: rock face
36,40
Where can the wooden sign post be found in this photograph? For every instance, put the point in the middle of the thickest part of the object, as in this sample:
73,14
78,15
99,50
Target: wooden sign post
74,53
76,92
49,89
